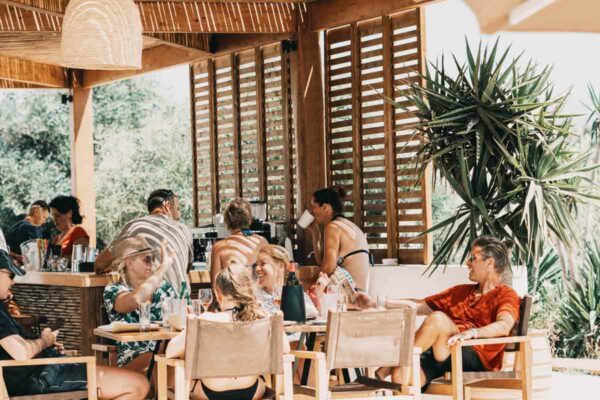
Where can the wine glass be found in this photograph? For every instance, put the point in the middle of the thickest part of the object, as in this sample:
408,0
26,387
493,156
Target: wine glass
205,297
277,295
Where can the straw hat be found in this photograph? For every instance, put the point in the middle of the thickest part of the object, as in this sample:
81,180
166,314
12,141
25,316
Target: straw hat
133,246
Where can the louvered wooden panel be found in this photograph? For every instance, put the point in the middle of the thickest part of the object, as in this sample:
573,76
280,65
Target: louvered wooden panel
248,114
274,128
371,150
245,114
412,194
225,131
339,107
201,101
372,136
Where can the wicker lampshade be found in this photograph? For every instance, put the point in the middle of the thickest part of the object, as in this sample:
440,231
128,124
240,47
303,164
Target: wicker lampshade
102,34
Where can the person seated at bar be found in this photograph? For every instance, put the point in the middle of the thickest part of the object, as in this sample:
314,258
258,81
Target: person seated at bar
271,267
234,291
344,244
138,284
241,245
15,344
28,228
161,223
67,218
486,309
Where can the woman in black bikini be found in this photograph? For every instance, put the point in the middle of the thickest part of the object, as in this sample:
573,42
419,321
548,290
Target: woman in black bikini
235,294
343,244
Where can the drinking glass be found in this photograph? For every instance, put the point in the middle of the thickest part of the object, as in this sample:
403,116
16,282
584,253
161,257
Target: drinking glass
277,295
61,264
144,311
197,307
167,310
342,303
205,298
382,301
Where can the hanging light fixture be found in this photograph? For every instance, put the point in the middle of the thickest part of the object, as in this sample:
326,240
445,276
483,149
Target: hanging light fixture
102,34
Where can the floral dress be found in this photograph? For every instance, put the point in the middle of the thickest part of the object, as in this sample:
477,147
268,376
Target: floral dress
128,351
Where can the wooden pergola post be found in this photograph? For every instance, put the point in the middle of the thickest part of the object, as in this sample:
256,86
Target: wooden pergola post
307,87
82,157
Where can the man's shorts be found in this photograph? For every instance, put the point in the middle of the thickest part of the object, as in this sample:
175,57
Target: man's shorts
55,378
434,369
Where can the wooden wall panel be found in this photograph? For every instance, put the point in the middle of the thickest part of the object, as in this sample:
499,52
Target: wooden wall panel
370,143
251,126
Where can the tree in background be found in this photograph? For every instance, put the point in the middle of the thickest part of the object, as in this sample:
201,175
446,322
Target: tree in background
141,143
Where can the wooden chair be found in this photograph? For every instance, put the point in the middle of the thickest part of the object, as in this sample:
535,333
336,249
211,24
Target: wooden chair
90,393
218,350
462,385
366,339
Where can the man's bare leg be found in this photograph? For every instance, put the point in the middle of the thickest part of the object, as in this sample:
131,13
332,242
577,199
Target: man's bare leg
433,334
121,384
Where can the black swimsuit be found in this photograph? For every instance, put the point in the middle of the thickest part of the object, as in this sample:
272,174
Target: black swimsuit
341,259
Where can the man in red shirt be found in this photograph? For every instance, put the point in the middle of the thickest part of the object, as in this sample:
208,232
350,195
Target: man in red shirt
486,309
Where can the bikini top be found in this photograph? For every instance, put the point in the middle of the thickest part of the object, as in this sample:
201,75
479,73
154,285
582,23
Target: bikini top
341,259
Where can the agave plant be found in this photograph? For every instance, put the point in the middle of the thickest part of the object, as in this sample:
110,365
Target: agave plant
578,322
497,134
548,271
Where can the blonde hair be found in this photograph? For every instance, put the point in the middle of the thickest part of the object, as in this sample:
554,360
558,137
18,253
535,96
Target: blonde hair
278,254
238,214
234,281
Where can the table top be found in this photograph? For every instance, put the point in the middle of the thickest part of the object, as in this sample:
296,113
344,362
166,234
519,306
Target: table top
124,337
305,328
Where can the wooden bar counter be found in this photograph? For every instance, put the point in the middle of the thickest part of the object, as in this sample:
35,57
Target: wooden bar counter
76,297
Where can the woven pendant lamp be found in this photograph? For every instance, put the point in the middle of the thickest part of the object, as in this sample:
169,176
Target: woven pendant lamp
102,34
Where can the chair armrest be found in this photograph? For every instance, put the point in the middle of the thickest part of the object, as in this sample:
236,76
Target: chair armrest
313,355
47,361
288,358
498,340
171,362
108,348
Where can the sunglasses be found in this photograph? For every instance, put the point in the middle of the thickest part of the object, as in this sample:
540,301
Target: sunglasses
149,260
473,257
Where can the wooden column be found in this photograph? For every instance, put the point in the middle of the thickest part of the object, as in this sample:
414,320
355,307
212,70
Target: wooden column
82,158
308,97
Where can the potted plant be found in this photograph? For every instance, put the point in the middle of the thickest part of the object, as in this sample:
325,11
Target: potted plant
495,132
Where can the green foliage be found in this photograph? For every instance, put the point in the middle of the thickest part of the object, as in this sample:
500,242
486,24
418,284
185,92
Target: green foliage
578,322
34,143
496,134
594,117
548,271
141,143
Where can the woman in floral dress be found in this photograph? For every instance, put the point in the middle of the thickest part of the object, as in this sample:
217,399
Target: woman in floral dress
138,283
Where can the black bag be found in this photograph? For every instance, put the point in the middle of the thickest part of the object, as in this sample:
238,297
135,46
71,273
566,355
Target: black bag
292,303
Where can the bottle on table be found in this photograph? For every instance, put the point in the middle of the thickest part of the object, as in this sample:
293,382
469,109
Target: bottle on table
292,297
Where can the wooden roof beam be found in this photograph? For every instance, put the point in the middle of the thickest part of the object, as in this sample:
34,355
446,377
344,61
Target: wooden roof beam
153,59
228,43
325,14
31,73
169,17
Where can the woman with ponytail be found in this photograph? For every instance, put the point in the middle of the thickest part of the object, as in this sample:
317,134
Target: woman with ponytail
234,291
66,215
343,246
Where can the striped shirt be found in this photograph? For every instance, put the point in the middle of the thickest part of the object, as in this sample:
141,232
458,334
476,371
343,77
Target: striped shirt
155,228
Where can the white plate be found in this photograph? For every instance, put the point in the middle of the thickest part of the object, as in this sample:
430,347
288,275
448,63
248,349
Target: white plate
288,323
318,322
126,327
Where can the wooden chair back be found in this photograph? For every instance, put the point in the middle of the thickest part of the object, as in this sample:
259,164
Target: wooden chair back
370,339
521,328
231,349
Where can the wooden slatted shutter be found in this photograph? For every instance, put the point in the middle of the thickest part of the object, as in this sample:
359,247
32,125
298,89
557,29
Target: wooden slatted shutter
370,145
244,134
